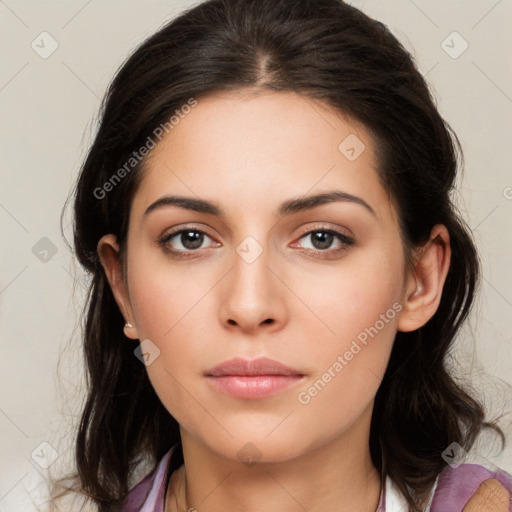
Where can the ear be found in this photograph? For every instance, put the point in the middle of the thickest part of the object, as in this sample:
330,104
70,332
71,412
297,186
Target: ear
424,283
108,252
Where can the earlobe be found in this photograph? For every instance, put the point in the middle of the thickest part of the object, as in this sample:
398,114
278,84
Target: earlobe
424,284
109,254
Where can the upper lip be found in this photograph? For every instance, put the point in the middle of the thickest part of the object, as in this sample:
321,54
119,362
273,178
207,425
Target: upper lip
260,366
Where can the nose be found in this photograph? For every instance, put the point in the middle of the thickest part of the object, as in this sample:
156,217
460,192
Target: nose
252,296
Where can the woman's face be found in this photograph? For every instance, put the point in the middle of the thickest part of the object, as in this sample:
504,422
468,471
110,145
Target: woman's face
315,285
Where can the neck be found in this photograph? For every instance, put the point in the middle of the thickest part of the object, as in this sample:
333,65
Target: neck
337,476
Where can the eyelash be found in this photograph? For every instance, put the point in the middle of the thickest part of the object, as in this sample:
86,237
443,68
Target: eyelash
178,254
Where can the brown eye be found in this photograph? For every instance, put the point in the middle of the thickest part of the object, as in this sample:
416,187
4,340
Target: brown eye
191,239
323,239
180,243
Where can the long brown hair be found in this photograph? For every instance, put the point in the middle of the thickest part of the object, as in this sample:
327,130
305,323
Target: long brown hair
329,51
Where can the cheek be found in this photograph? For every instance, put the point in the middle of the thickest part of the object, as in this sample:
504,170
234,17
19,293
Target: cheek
349,366
345,300
169,304
358,307
165,294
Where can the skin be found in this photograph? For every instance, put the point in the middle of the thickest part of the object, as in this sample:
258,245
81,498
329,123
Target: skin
491,496
296,303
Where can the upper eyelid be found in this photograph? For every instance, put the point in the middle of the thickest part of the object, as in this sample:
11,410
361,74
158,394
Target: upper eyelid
318,226
177,231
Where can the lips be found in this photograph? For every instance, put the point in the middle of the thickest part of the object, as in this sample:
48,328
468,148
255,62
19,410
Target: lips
244,367
256,379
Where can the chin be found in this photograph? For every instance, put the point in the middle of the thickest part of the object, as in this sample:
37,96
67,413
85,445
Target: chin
259,448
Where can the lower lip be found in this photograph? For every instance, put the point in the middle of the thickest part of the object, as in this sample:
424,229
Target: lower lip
253,386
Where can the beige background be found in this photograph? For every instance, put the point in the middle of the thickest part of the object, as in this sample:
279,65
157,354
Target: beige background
48,109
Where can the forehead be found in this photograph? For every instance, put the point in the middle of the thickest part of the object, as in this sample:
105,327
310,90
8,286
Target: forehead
251,151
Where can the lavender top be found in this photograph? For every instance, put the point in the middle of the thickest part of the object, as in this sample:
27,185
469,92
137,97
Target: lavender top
453,489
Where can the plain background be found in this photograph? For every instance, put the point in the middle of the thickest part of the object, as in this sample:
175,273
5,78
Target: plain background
48,108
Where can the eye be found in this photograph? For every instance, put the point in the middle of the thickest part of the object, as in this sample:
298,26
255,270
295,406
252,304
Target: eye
322,240
179,243
184,242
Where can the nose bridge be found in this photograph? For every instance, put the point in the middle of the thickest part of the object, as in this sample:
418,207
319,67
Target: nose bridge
251,275
252,296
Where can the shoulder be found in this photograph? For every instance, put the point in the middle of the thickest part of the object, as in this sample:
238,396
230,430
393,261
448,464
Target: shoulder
491,496
150,491
472,488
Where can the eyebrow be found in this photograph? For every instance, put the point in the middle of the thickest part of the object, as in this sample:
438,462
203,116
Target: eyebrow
288,207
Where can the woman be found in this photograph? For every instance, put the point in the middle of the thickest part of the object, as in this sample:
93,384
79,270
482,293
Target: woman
266,213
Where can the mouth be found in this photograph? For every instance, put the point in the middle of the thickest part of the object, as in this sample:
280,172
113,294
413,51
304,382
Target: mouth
254,379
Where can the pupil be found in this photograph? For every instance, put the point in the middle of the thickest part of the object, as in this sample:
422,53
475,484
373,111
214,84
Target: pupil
324,239
191,239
